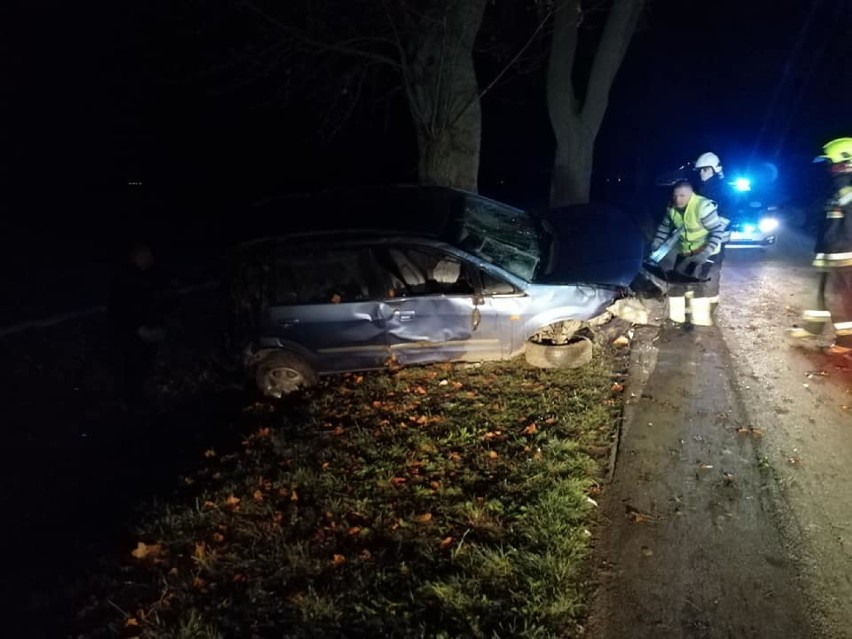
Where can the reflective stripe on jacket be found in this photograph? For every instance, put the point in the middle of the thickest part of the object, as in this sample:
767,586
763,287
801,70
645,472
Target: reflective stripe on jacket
834,246
701,225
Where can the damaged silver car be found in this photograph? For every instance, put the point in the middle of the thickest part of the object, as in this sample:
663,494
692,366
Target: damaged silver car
408,275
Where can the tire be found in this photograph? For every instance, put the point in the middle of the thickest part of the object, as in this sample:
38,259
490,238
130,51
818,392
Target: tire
576,353
281,373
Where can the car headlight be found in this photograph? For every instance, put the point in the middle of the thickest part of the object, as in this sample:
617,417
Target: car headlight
748,228
767,224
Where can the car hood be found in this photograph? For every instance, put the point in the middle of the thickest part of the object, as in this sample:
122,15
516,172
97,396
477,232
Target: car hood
591,243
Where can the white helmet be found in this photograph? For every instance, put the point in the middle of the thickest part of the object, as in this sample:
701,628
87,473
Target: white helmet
711,160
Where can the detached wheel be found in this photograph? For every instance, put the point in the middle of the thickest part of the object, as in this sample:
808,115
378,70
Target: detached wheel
281,373
574,354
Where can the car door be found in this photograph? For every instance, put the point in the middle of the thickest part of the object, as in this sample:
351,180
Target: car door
433,309
326,301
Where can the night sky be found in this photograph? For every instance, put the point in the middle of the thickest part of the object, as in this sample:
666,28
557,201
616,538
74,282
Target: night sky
102,93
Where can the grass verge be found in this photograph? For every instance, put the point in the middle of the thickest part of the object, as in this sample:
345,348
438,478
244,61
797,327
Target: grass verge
439,501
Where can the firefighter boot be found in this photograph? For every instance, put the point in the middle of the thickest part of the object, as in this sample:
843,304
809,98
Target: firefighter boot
814,326
701,308
677,309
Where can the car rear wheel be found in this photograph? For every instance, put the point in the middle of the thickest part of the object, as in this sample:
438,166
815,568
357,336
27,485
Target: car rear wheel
574,354
282,373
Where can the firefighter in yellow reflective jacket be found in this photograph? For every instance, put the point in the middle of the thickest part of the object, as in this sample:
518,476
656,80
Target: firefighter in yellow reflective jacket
833,257
700,252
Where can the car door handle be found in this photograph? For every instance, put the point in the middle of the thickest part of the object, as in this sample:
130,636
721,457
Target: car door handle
288,323
404,316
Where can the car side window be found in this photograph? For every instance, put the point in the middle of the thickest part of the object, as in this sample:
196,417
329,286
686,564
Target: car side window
322,276
492,285
411,272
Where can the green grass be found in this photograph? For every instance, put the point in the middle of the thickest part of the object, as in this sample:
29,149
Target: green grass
440,501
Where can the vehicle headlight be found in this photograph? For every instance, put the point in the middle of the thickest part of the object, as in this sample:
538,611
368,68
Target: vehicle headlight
748,228
767,224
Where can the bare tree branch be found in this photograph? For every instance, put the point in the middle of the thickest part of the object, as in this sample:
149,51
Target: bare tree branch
478,97
344,47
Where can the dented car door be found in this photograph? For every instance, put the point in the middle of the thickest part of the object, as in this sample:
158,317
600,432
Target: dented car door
433,310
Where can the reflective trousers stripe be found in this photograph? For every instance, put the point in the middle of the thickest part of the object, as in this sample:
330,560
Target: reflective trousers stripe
833,259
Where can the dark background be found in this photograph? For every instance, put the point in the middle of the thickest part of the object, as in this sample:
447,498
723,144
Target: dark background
100,94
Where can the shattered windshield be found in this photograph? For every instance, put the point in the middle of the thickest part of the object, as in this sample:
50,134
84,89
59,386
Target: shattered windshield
501,235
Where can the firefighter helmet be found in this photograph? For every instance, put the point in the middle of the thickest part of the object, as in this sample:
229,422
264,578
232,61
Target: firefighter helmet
839,153
709,160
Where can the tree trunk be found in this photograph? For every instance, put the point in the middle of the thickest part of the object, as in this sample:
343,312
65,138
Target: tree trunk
575,123
443,95
572,167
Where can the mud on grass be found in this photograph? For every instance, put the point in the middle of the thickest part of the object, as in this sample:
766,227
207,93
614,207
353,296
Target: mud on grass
435,501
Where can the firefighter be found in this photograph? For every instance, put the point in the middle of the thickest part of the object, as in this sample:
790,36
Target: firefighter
833,258
700,253
712,185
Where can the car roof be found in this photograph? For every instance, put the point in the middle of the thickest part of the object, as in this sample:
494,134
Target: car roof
425,211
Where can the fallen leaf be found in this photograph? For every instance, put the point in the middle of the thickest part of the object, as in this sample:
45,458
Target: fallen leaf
398,481
377,404
218,538
209,453
705,466
419,390
146,551
617,388
637,516
492,454
173,572
294,496
359,379
446,542
621,341
550,421
435,485
757,432
530,430
337,431
338,560
366,555
424,518
257,496
131,622
263,432
443,382
355,530
232,501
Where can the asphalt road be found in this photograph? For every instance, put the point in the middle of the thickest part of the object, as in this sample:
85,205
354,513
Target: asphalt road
730,509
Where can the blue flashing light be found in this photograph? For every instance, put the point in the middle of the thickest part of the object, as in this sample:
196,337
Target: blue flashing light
742,184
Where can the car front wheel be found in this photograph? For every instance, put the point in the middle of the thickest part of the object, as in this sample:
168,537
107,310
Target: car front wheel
282,373
574,354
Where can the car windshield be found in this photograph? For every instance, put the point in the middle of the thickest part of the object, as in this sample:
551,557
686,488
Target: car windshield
502,235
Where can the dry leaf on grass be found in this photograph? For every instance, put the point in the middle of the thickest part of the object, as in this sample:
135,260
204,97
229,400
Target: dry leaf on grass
617,388
132,622
530,430
424,518
257,496
492,454
338,560
200,550
446,542
232,501
218,538
146,551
